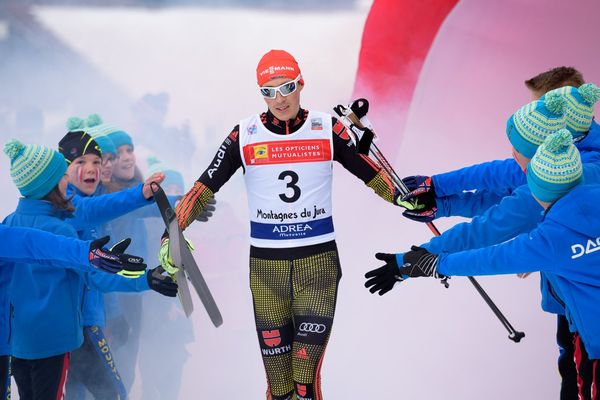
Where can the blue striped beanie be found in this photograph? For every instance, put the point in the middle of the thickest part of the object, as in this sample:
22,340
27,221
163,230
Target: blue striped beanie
35,169
579,110
555,168
531,124
118,137
98,130
172,176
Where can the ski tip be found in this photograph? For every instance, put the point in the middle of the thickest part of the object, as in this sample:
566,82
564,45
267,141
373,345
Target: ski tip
217,322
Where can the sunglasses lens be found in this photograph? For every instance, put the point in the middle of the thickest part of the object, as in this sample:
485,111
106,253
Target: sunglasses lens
288,88
267,92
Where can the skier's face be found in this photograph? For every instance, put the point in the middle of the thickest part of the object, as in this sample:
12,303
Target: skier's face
284,108
520,159
108,160
62,185
124,167
84,173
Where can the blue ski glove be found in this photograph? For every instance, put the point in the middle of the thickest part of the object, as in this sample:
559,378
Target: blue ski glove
384,278
420,202
115,260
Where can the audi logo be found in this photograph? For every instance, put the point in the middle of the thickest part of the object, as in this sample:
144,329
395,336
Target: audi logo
313,328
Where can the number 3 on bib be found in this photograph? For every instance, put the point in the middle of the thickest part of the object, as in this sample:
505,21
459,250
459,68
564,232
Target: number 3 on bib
290,185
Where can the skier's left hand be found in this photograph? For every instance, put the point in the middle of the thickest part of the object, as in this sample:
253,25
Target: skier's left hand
164,257
420,202
383,279
157,177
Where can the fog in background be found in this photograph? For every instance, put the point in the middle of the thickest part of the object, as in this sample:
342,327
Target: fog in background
189,71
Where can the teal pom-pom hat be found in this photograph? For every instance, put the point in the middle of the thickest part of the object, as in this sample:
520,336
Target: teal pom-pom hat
555,168
579,110
34,169
172,176
529,126
118,136
98,130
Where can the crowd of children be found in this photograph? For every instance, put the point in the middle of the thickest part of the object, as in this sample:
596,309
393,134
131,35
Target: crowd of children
533,212
58,267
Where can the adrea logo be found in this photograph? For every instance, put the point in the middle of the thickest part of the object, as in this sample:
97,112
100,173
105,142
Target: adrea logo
272,338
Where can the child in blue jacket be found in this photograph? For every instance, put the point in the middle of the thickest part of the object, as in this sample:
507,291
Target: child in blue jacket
564,246
45,302
24,245
496,221
92,364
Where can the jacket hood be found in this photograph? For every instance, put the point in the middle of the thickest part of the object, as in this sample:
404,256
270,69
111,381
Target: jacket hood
578,210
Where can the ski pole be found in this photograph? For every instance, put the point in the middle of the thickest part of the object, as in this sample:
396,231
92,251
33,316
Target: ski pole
363,139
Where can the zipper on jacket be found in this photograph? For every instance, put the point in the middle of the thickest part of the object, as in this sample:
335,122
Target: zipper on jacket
10,321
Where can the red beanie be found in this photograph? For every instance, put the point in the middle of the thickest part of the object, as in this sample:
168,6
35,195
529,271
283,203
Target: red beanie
276,64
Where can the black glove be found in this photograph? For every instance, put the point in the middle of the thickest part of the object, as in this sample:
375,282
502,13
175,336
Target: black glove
420,202
115,260
419,262
207,212
160,283
384,278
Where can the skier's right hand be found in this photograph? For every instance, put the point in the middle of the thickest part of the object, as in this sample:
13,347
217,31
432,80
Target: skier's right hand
160,283
164,257
384,278
207,212
420,201
115,260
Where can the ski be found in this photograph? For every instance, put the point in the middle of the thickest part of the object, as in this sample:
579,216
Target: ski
183,258
362,134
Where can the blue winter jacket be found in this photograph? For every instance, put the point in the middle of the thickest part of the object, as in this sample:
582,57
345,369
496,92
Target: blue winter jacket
34,245
119,204
469,204
500,175
494,223
45,302
563,246
515,214
26,245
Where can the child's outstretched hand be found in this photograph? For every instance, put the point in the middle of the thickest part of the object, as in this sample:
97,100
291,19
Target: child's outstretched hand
157,177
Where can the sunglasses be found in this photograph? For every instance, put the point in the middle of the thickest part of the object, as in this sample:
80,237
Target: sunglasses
285,90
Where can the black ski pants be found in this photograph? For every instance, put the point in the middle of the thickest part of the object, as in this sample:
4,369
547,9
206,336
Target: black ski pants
566,360
588,371
4,377
41,379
